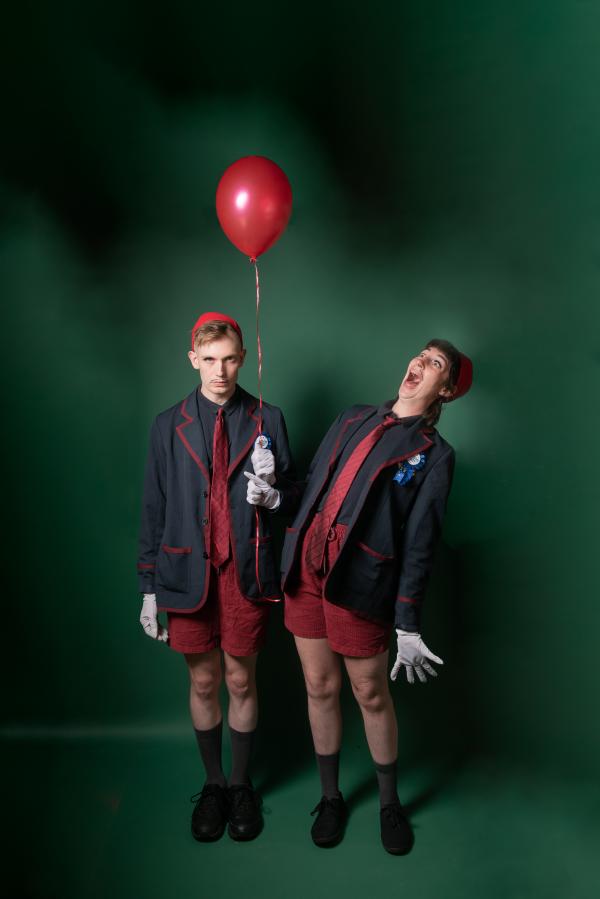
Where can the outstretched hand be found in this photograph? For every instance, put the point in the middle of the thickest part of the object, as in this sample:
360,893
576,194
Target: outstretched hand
414,655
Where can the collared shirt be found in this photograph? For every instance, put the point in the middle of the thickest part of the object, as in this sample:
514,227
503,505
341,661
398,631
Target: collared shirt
207,413
388,437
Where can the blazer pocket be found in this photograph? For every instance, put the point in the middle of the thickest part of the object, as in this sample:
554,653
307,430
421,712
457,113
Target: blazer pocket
173,570
374,553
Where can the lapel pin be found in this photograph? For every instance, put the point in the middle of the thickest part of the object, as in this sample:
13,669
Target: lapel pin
263,441
406,469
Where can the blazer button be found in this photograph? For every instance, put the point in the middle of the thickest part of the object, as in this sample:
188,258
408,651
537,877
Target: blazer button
205,493
205,555
205,521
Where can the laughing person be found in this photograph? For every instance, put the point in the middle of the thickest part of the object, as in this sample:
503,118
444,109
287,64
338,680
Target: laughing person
355,564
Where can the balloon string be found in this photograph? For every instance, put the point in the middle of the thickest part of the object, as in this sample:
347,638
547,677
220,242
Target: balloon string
258,344
259,354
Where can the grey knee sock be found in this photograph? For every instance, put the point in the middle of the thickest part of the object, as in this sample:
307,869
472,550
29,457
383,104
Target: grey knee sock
329,766
241,751
386,779
209,744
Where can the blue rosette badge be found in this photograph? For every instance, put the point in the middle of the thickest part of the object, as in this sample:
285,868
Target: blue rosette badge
406,469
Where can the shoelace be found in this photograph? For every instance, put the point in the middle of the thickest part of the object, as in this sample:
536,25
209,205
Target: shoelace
322,804
207,794
395,814
242,798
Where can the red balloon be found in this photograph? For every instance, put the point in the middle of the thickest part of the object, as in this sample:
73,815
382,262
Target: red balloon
254,203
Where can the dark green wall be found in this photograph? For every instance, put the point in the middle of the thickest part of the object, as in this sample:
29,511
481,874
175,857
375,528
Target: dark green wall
444,162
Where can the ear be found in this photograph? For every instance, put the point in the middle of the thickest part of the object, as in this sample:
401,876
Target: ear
193,357
446,392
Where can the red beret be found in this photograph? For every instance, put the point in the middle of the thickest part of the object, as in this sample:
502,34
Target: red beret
216,317
465,377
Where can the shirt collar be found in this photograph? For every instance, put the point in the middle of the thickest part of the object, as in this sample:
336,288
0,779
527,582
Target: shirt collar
230,406
386,410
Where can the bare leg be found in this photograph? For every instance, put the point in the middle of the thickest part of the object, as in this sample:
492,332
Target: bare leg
370,687
205,680
323,678
240,677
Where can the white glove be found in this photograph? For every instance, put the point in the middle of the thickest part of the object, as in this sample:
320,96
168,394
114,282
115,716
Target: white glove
259,493
413,654
149,619
263,463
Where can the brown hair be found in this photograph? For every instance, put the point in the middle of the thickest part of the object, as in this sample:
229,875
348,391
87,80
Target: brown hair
433,412
214,330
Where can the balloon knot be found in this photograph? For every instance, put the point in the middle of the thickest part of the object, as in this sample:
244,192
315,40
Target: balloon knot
252,259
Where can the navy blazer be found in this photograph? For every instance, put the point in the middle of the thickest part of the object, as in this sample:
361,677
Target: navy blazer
173,548
387,554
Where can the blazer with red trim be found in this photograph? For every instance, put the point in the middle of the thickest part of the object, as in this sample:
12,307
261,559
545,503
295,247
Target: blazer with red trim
173,548
387,554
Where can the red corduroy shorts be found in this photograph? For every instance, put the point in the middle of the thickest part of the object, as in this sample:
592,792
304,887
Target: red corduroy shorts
227,619
309,614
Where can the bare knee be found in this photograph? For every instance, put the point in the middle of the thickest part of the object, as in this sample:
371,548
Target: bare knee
371,695
205,684
240,684
322,688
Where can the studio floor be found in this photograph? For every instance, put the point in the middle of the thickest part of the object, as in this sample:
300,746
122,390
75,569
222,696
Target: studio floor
108,816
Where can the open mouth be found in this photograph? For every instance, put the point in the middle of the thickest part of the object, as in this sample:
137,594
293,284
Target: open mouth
413,378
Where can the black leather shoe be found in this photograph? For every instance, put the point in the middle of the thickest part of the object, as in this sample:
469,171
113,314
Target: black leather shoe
328,828
245,816
210,814
396,833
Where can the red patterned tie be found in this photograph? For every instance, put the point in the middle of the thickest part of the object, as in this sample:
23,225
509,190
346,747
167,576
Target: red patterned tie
219,500
339,491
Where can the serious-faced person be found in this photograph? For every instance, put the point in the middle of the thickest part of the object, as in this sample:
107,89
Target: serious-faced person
202,561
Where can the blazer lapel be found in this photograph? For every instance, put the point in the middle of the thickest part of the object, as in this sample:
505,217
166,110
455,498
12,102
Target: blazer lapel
408,442
347,429
242,437
189,431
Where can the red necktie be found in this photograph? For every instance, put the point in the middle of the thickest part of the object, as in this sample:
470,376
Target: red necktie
339,491
219,499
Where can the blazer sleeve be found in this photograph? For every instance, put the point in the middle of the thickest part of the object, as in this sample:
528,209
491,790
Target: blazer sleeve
153,511
287,484
421,533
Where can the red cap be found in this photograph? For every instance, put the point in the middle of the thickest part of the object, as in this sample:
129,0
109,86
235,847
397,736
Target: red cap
465,377
217,317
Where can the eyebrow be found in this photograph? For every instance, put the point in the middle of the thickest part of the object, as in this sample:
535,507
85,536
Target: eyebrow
438,355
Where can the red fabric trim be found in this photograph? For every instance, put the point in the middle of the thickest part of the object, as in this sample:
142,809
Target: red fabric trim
177,549
292,530
261,540
373,552
397,459
186,443
146,565
349,421
233,465
202,467
411,602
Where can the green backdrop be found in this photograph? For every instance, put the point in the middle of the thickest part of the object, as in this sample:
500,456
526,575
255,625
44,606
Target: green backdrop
444,164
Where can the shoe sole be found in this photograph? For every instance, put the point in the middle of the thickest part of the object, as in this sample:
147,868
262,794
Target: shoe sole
209,837
330,843
398,851
244,836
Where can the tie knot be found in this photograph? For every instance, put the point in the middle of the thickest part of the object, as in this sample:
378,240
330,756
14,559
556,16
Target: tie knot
389,422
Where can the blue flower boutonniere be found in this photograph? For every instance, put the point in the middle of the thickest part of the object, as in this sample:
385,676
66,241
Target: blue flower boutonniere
406,469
